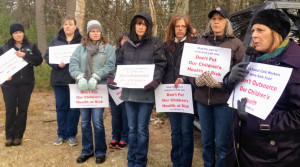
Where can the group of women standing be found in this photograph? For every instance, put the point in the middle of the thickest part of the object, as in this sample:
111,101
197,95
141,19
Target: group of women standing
94,62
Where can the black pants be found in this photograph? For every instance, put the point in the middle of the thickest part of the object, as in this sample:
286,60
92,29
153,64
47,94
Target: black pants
16,97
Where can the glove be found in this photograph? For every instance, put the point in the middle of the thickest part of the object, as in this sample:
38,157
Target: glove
82,84
199,81
211,82
111,83
152,85
238,72
241,109
92,84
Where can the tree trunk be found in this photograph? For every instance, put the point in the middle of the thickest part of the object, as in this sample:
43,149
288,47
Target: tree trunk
40,25
79,15
70,7
153,15
182,6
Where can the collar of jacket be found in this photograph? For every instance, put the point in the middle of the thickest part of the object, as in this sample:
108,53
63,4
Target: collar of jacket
62,36
291,55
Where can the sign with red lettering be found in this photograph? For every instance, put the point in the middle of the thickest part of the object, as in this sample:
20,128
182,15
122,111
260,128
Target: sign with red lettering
88,99
10,64
116,95
62,53
170,99
134,76
197,59
262,87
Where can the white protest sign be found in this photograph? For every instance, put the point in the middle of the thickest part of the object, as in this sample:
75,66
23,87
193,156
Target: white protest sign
262,87
62,53
170,99
197,59
10,64
116,95
134,76
88,99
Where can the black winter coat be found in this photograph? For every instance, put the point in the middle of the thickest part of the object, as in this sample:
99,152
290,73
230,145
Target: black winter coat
61,76
32,57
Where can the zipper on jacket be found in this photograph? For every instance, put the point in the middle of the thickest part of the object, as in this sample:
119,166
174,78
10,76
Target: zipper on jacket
208,100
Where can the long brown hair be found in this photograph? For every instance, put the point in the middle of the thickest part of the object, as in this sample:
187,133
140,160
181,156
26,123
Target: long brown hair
191,32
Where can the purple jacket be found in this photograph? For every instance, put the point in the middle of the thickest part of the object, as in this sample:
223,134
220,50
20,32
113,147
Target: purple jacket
274,142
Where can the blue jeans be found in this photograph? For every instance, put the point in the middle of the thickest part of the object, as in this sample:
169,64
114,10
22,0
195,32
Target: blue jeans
96,114
138,115
182,139
119,122
215,121
67,118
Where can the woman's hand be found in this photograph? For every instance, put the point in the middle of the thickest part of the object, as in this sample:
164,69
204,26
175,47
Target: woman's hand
62,65
178,81
9,78
20,54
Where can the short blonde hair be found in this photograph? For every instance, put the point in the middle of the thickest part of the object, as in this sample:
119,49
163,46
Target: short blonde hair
277,40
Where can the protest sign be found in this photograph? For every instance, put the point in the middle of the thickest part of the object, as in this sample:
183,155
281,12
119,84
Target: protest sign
134,76
262,87
116,95
10,64
88,99
197,59
170,99
62,53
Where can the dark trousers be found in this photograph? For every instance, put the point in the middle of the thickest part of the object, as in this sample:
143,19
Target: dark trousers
16,100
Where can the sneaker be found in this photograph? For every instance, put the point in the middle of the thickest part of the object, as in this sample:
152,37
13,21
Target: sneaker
113,144
17,142
72,141
121,145
9,142
58,141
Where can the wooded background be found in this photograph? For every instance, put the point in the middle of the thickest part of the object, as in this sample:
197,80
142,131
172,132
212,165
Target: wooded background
43,18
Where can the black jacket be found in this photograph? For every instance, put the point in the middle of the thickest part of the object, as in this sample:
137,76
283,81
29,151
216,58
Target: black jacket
149,51
32,57
61,76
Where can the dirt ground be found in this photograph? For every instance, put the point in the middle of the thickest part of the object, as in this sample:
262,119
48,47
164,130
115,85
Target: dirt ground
37,148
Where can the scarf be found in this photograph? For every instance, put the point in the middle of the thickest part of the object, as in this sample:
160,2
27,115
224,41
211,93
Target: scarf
92,50
273,58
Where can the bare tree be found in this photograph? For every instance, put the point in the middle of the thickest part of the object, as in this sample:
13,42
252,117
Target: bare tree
70,7
182,6
40,25
79,14
153,15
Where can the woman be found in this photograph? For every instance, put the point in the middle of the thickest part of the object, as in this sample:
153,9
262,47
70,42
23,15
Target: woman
18,88
274,141
67,118
89,65
214,114
140,48
179,31
119,121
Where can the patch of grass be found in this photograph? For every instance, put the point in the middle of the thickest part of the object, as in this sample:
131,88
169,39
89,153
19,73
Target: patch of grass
161,115
42,77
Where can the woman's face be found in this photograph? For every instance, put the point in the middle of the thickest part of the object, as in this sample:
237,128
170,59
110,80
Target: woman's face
69,27
18,36
140,29
218,24
262,38
95,35
180,29
123,40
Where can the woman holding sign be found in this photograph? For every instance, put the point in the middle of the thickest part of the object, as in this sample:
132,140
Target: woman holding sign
180,30
214,114
274,141
89,65
140,48
18,88
67,118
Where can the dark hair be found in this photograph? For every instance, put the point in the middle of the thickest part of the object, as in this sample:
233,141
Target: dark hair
191,32
133,36
119,39
86,38
69,18
12,42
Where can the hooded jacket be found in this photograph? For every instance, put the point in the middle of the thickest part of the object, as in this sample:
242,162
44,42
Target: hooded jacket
61,76
148,51
216,96
26,74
